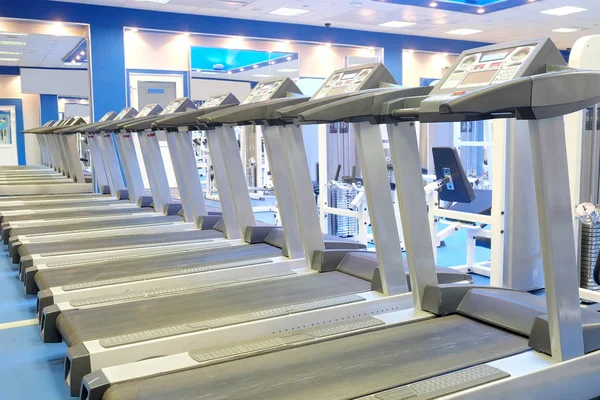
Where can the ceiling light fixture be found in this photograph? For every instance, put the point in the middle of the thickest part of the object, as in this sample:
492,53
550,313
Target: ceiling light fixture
566,30
11,43
289,58
82,53
11,53
255,66
445,54
289,12
262,76
561,11
185,34
287,41
480,11
411,51
229,72
433,4
8,59
287,70
78,57
241,69
58,23
463,32
133,30
271,62
327,44
397,24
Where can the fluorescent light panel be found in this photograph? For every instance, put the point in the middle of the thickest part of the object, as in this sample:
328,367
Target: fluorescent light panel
566,30
289,12
566,10
397,24
8,59
287,70
262,76
11,43
10,53
463,32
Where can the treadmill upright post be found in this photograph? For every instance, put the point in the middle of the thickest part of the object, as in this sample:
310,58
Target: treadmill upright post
282,176
236,178
551,179
232,227
98,170
111,163
180,176
371,157
410,192
136,183
192,180
155,168
302,189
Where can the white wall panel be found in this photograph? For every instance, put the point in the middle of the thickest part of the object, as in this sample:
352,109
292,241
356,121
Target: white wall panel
54,81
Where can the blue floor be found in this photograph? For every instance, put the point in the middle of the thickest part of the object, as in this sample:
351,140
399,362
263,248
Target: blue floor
30,369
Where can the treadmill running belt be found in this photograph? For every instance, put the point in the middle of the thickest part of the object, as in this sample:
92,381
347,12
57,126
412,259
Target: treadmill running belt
77,326
58,227
344,368
73,204
103,270
87,243
69,213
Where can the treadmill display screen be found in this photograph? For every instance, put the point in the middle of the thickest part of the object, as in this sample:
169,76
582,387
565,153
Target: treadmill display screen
213,101
146,110
347,82
496,56
172,107
123,113
262,92
106,116
479,78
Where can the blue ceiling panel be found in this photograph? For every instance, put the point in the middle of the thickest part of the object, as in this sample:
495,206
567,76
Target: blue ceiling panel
224,60
463,6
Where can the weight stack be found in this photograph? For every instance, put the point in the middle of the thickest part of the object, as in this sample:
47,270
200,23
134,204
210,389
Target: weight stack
341,197
590,247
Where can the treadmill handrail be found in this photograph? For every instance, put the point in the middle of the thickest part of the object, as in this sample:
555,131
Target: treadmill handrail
166,122
253,112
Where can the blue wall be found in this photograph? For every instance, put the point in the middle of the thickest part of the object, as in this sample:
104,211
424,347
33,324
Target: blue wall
107,48
48,108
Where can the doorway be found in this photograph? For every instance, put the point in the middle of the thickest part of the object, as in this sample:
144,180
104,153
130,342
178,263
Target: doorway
8,136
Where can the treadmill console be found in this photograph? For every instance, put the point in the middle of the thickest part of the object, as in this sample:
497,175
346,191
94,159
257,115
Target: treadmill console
222,100
354,79
128,112
487,66
272,89
150,109
109,116
179,105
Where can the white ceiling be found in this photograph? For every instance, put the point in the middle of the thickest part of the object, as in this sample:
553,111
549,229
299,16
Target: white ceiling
512,24
39,50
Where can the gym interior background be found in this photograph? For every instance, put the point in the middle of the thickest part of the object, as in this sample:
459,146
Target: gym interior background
78,61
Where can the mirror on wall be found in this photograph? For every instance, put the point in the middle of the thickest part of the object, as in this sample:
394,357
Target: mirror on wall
43,76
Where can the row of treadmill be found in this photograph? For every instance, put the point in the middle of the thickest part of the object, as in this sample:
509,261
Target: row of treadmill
160,297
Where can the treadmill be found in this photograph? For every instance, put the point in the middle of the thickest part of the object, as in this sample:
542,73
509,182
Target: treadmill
333,277
69,179
480,342
166,237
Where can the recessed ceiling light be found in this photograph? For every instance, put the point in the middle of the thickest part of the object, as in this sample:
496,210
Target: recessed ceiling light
287,41
14,34
10,53
262,76
82,53
255,66
59,23
287,70
11,43
480,10
133,30
271,62
433,4
229,72
241,69
78,57
8,59
566,10
566,30
289,12
445,54
397,24
289,58
463,32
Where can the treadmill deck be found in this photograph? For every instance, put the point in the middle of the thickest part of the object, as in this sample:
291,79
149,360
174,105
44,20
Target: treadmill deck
344,368
77,326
